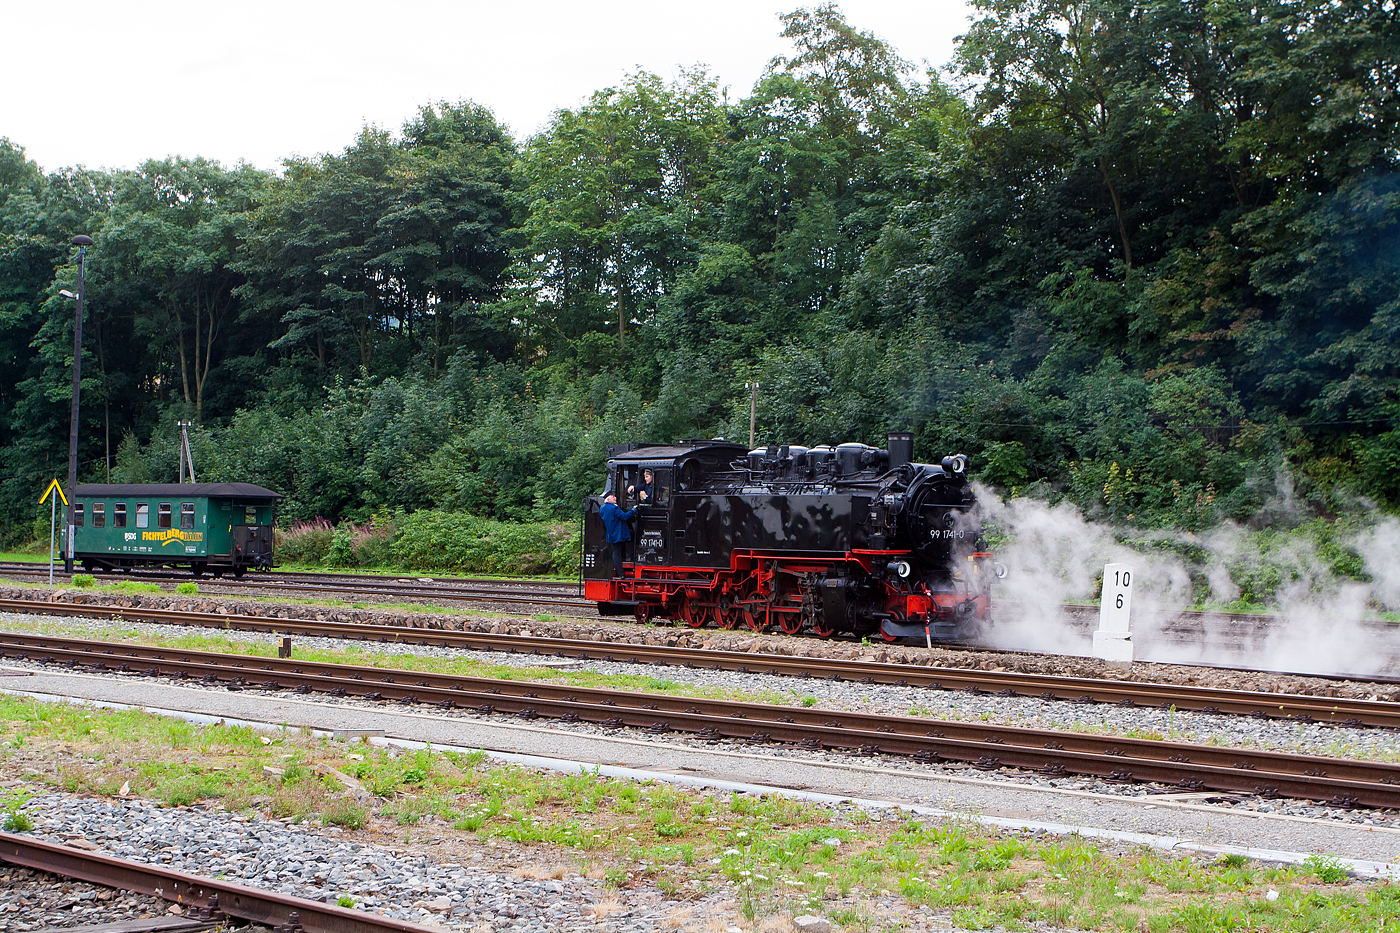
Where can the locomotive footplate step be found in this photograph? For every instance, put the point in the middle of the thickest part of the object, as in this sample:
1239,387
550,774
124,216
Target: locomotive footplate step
914,631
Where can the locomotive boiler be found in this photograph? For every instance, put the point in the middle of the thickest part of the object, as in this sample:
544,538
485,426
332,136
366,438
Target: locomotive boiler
847,539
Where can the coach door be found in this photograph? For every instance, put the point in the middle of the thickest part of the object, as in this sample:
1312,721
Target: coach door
252,542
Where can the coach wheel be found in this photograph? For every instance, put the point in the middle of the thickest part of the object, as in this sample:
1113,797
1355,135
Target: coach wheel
239,571
790,622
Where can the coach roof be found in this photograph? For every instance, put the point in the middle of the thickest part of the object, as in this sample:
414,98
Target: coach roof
177,490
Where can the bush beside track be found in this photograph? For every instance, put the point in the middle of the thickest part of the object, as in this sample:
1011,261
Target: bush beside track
431,541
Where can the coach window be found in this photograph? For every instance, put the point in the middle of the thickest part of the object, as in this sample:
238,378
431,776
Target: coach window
250,515
78,515
99,514
118,514
187,515
143,514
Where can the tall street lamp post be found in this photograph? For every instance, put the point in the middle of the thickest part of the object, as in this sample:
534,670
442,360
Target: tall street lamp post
82,241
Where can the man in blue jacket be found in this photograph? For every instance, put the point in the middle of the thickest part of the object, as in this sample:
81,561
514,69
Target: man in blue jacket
615,521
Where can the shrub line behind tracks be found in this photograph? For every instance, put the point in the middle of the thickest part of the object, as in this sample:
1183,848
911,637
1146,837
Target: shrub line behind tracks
988,747
212,899
1299,708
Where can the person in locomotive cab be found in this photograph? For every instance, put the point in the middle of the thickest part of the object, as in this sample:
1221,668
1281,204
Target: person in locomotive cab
619,533
643,489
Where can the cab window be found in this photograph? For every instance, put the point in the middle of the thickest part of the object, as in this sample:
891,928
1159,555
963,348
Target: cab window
661,487
187,515
78,515
99,514
626,478
143,514
119,515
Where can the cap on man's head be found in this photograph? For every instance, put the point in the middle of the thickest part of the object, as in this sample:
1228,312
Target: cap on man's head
610,498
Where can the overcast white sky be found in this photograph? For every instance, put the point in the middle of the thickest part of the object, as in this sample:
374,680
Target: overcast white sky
110,84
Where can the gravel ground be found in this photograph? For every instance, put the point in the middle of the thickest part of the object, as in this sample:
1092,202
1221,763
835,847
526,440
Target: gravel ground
34,900
1202,728
471,888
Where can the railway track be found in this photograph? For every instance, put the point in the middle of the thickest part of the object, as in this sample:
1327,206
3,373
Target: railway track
1298,708
1185,625
556,596
204,898
1340,782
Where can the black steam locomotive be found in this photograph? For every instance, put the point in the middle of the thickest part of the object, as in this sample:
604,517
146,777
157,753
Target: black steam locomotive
847,539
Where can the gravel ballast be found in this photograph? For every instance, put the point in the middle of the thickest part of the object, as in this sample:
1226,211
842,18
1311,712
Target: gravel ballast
1028,712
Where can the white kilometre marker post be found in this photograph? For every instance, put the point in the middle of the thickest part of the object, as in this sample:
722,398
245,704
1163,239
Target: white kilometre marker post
1114,639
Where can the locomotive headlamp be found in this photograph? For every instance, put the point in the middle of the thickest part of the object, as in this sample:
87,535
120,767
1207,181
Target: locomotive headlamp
901,568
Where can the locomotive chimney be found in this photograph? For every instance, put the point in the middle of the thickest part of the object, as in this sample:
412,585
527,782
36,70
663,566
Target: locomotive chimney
901,447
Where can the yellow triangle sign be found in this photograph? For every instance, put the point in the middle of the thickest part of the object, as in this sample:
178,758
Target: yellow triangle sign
53,488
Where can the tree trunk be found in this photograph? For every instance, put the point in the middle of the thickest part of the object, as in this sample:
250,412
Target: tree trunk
180,341
1118,215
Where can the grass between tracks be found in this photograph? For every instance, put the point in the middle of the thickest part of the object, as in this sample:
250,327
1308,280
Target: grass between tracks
366,657
466,665
771,854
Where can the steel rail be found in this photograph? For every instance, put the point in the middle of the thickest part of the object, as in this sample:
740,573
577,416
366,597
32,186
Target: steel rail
477,594
209,898
1343,782
309,576
1293,707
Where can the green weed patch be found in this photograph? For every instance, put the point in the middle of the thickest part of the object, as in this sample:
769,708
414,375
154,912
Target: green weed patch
773,853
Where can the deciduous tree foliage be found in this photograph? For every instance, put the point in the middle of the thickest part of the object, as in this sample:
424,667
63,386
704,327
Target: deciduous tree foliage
1145,255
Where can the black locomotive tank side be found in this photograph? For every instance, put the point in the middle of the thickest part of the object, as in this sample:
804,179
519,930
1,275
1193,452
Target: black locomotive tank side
848,539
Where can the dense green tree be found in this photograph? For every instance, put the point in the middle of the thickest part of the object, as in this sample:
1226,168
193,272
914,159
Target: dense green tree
1144,255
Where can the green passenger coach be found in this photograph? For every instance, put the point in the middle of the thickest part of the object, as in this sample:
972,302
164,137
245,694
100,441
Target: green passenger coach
213,528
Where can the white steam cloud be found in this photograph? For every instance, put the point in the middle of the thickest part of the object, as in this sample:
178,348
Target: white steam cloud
1055,556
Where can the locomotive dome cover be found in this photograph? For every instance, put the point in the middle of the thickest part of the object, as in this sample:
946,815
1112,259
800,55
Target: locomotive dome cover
214,490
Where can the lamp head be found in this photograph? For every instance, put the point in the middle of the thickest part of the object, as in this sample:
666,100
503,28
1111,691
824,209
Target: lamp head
82,239
66,293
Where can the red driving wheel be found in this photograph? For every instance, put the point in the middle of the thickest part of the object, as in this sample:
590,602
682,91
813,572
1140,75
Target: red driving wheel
790,622
693,614
756,618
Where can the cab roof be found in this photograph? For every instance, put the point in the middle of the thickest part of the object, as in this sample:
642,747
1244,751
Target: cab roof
661,453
